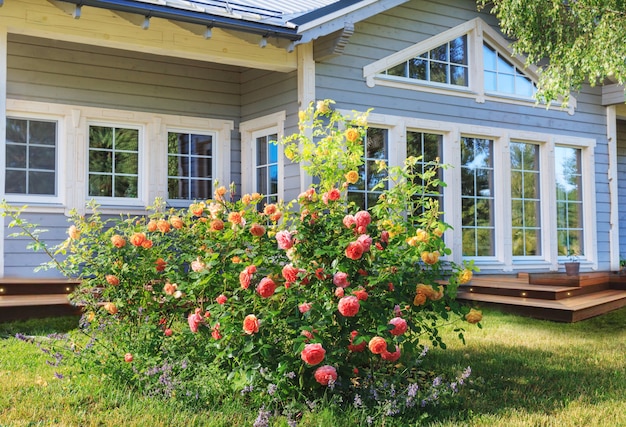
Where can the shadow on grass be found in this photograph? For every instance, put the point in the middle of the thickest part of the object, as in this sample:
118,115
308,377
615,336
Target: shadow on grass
39,326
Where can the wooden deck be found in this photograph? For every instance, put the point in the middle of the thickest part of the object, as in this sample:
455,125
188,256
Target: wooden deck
550,296
26,299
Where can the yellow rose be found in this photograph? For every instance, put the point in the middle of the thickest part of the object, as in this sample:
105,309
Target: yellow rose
352,135
474,316
430,257
421,235
465,276
322,107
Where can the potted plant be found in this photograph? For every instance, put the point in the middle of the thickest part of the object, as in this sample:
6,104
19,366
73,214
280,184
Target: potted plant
572,266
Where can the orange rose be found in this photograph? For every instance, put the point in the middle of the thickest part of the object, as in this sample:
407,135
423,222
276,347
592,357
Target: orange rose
235,218
147,244
118,241
354,250
251,324
112,280
257,230
246,199
420,299
110,307
377,345
474,316
270,209
196,209
176,222
163,226
352,135
220,192
217,225
152,225
170,288
160,264
137,239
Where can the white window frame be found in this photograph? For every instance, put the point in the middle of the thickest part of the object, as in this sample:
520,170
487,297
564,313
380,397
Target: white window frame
29,112
214,162
503,259
250,131
73,152
477,31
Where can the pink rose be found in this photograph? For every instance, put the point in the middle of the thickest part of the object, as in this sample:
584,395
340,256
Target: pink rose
266,287
366,241
378,345
391,357
221,299
284,239
304,307
349,306
244,279
384,236
197,265
290,273
361,294
362,218
349,221
358,348
331,195
354,250
313,354
339,293
399,324
195,320
325,375
340,279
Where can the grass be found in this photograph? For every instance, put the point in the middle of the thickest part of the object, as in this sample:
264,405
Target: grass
525,372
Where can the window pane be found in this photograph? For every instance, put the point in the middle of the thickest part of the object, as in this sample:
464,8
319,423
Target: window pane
100,137
500,75
458,75
506,83
489,58
127,139
458,51
17,130
126,186
438,72
41,183
42,158
569,200
417,69
440,53
201,145
201,168
398,70
127,163
16,156
42,133
15,182
201,189
100,185
491,81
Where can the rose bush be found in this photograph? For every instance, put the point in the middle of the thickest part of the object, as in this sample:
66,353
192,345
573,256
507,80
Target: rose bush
264,293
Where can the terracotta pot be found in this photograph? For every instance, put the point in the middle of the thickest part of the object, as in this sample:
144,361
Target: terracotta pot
572,268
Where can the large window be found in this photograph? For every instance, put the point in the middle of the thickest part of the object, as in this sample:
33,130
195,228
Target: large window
113,162
477,198
445,64
376,150
31,157
266,167
569,201
525,199
189,166
428,149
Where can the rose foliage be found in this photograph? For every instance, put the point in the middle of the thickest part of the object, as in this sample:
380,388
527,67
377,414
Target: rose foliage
283,303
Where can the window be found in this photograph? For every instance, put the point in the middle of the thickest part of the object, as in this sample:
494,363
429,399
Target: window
189,166
266,167
569,201
445,64
525,199
31,157
376,150
428,148
113,162
502,76
477,197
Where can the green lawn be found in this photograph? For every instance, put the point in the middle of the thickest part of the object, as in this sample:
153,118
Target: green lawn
525,372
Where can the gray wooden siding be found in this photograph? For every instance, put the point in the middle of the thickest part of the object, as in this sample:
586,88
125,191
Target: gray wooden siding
19,261
341,79
621,183
265,93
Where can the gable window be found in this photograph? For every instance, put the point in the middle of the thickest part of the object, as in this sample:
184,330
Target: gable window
569,201
477,197
266,167
189,166
502,76
471,60
113,162
525,199
31,157
376,149
445,64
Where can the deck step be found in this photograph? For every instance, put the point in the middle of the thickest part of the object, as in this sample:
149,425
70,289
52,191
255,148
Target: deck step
551,296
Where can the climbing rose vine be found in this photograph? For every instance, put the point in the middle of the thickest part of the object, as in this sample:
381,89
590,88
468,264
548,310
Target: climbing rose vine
295,300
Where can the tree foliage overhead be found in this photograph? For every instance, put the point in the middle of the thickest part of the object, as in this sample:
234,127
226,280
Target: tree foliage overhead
576,41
